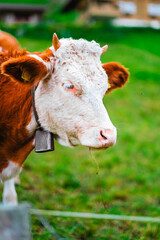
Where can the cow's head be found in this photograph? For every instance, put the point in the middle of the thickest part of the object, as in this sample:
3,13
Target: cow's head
71,83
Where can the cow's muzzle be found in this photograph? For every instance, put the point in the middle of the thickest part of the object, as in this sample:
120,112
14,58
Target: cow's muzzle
107,138
99,138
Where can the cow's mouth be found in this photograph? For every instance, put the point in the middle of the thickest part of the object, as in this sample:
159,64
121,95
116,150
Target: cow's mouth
98,138
99,148
92,138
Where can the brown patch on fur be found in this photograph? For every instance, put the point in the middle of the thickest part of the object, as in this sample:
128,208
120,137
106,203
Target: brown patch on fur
24,69
117,75
16,105
46,55
8,42
15,115
4,56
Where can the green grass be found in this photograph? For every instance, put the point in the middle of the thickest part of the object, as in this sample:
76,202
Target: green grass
24,1
128,181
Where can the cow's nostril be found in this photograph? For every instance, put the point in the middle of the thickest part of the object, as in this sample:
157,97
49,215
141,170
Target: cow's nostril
102,135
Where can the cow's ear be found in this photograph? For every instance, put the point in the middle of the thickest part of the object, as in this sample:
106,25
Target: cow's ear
26,69
117,75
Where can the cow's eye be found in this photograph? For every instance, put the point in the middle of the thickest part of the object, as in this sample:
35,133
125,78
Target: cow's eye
69,86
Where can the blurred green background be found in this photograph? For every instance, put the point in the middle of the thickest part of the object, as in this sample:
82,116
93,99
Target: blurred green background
128,182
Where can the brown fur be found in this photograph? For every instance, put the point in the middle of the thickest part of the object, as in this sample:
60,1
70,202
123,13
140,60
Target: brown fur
8,42
117,75
24,65
16,105
15,115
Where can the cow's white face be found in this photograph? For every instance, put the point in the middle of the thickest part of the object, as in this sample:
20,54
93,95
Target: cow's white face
71,85
69,104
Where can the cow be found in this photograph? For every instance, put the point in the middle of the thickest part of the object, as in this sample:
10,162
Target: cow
8,42
70,82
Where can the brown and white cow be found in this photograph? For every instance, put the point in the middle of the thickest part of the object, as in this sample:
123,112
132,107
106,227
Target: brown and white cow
8,42
71,83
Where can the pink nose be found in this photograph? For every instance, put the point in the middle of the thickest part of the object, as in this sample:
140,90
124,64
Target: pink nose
107,137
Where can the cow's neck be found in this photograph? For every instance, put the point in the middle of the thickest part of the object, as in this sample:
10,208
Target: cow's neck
32,126
43,139
33,89
17,123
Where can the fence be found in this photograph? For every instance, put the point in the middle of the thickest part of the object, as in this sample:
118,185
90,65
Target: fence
15,225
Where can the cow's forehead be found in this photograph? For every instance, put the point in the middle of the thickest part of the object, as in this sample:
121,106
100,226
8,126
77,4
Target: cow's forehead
80,47
79,62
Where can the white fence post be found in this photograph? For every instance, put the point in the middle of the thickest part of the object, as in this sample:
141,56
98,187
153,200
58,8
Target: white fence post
14,222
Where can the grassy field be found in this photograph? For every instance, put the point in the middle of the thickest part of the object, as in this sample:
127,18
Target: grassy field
128,182
25,1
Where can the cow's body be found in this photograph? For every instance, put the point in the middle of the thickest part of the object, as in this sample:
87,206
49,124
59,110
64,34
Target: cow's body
67,84
15,115
15,140
8,42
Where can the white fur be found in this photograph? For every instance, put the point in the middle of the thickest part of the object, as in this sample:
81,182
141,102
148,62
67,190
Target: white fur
75,119
10,171
9,192
68,46
0,49
37,58
32,124
48,65
7,175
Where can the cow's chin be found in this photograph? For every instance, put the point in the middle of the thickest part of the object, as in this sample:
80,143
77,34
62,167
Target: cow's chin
73,142
67,141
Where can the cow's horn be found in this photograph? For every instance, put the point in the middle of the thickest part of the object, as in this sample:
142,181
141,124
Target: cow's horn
104,49
56,42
